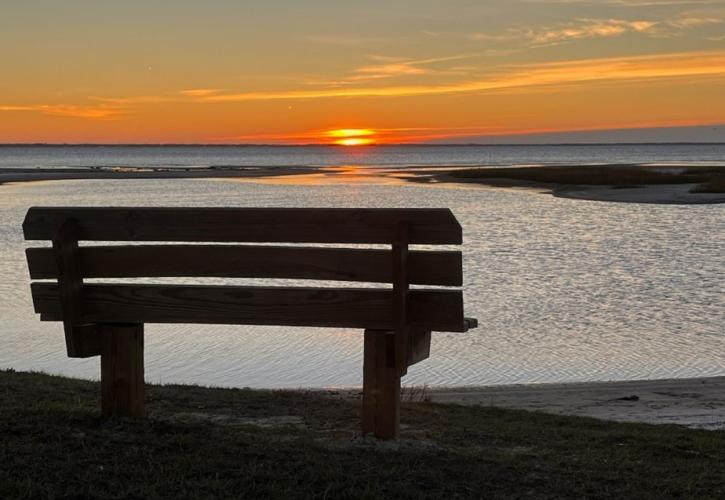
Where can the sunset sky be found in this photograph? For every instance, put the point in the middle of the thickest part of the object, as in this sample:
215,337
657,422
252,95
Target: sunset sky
290,71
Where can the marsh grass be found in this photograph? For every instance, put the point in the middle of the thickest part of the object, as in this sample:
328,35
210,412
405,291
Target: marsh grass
203,443
593,175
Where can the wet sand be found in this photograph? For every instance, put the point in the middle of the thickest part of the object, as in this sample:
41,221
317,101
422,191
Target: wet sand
697,403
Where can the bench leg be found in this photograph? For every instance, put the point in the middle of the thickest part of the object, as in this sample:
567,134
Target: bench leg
381,386
122,370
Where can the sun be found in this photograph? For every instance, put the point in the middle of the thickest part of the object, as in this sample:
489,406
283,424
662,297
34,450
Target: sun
354,141
351,136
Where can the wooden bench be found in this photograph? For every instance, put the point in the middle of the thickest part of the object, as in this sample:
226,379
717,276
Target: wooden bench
107,319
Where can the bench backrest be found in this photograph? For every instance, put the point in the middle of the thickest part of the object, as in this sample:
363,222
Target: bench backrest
386,308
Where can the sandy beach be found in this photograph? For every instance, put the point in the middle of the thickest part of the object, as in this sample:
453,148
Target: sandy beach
696,402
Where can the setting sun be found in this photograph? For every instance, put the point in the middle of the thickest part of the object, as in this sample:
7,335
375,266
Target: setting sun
354,141
351,136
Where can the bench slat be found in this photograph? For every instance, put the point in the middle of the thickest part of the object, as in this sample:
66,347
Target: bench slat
438,310
291,225
343,264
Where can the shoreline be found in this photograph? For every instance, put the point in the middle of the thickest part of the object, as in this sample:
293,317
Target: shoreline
622,183
656,193
692,402
695,403
22,175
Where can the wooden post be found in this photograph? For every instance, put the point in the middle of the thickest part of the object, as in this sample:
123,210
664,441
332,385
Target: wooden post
400,298
81,340
418,346
122,370
381,386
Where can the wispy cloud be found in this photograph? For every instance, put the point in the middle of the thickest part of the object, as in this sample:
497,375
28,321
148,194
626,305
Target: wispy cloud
693,22
506,36
200,92
587,28
565,32
686,64
590,28
515,78
388,70
392,67
101,112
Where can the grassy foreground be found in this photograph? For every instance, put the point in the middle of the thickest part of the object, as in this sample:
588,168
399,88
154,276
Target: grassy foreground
230,443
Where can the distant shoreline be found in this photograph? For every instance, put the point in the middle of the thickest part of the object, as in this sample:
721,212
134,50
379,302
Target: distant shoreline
16,175
671,184
623,183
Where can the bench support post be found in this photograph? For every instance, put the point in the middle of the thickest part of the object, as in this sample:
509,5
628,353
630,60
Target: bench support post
122,370
381,385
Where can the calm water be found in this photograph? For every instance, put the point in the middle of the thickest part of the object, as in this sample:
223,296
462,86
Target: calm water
564,290
196,156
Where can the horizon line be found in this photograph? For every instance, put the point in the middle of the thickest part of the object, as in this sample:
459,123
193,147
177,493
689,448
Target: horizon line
318,144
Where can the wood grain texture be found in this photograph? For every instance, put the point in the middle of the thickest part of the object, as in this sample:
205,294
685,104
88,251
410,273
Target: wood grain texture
122,370
292,225
245,261
381,386
418,346
81,339
437,310
401,287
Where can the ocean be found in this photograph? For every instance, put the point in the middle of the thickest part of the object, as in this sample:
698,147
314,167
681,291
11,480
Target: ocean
373,156
564,290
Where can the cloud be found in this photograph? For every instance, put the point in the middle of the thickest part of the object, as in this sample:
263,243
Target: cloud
509,35
388,70
577,72
102,112
693,22
515,78
579,29
393,66
565,32
590,28
200,92
587,28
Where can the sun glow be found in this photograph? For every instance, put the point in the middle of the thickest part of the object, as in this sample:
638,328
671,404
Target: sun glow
351,136
350,132
354,141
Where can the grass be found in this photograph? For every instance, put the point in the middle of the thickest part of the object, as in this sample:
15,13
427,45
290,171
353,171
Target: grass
216,443
606,175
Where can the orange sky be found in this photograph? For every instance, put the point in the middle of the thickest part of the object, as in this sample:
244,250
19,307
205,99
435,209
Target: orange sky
406,71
